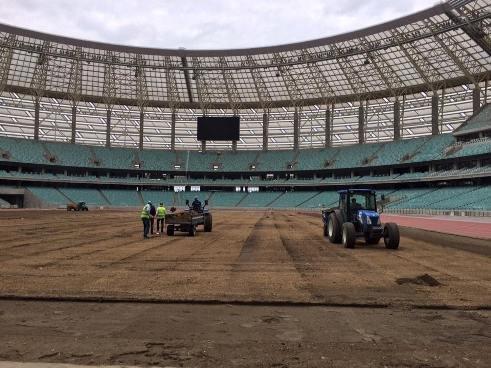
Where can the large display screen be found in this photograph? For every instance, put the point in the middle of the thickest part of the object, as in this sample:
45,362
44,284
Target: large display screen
218,128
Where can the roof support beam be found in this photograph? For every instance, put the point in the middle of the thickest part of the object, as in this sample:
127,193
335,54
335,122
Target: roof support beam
289,79
204,93
261,87
141,94
6,53
187,79
475,33
419,63
452,54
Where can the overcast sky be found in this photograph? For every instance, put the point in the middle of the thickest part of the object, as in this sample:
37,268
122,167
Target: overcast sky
202,24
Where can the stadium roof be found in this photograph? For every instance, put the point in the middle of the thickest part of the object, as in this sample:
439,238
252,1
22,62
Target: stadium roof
446,46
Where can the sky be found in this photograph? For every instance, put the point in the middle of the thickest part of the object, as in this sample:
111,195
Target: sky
202,24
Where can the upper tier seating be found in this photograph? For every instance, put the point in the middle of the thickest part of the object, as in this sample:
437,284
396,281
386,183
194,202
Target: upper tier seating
398,152
237,161
275,160
373,154
479,122
22,150
70,154
356,155
434,148
157,159
115,157
315,159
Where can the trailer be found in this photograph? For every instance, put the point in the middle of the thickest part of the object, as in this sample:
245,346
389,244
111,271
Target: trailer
188,220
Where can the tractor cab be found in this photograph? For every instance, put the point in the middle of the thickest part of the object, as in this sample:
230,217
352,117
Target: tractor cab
359,206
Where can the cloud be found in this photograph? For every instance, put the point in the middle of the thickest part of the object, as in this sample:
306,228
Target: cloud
206,24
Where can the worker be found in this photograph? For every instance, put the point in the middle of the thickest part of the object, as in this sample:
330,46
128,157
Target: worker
153,212
355,206
161,212
196,205
145,216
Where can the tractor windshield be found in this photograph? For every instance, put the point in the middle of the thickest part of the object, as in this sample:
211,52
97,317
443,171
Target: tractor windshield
363,201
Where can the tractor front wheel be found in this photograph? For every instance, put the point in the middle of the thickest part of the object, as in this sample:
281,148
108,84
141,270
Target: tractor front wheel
349,235
391,235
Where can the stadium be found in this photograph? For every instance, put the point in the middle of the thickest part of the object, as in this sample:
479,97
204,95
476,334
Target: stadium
401,109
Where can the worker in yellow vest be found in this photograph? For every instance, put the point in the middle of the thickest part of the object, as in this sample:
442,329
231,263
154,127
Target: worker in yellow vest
161,212
145,216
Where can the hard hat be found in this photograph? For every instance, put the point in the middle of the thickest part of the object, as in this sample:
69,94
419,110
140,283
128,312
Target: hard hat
149,202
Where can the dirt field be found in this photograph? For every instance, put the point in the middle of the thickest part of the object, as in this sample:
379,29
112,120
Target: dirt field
266,288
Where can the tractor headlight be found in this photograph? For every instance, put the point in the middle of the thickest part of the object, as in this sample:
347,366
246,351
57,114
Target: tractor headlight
369,220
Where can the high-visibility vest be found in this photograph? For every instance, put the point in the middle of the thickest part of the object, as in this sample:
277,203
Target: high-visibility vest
145,214
161,212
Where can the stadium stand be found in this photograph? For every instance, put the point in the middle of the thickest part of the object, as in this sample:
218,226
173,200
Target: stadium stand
122,197
50,196
477,123
90,196
359,155
226,199
4,203
259,199
292,199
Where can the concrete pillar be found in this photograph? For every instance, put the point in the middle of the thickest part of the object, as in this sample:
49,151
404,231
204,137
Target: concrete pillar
142,115
327,136
397,120
234,146
296,129
173,131
36,118
74,123
203,146
265,131
361,124
476,99
108,128
435,129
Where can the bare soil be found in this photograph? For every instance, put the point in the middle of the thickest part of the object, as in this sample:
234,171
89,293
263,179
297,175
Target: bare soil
263,289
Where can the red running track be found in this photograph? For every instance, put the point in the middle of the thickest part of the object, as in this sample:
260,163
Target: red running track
465,226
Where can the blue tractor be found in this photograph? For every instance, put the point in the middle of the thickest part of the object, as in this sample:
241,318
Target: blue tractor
356,217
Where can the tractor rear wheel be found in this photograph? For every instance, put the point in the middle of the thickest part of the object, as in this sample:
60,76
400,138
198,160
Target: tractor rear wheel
170,230
391,235
326,232
208,223
349,235
333,229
